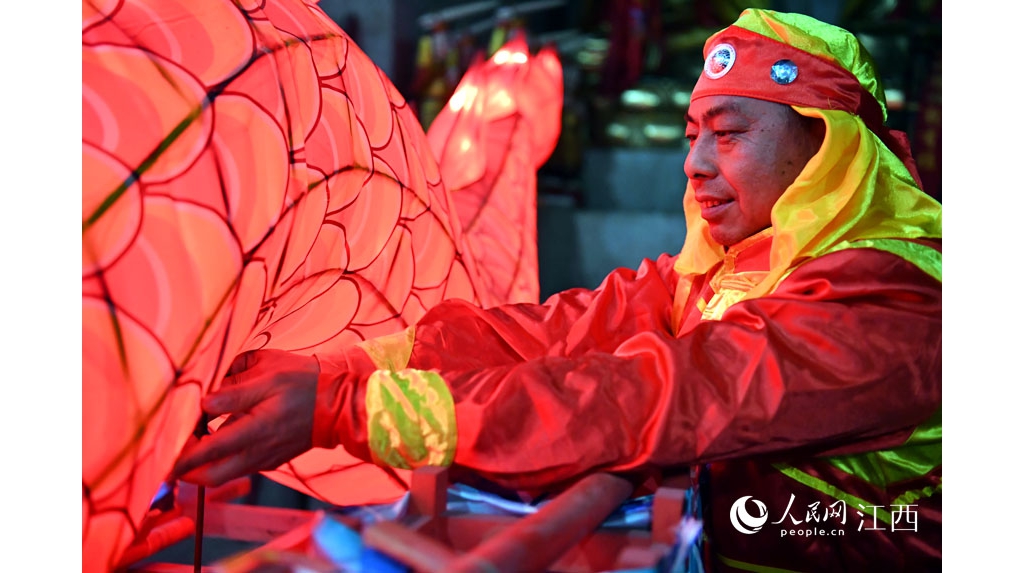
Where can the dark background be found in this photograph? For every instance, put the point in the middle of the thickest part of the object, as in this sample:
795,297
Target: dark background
610,195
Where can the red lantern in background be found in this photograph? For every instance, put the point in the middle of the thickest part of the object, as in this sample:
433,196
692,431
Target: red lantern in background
500,126
250,180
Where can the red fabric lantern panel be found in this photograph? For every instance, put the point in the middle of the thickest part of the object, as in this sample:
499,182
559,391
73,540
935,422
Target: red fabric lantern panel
250,180
500,126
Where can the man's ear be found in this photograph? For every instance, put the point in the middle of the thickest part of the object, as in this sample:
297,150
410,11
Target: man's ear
815,128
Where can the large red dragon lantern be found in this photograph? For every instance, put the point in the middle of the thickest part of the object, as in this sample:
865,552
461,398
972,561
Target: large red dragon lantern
250,179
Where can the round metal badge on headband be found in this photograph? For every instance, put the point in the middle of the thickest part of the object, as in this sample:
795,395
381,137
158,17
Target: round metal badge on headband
722,57
741,62
719,61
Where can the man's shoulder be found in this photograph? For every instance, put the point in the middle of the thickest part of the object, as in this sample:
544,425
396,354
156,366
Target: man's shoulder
876,265
925,254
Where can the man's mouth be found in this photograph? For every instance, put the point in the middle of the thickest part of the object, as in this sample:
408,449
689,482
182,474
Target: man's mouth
712,208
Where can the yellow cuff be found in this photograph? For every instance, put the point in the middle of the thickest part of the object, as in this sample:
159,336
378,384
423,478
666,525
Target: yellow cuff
410,417
390,352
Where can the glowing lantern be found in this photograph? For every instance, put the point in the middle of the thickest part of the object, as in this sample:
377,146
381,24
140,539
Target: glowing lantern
247,172
500,125
498,128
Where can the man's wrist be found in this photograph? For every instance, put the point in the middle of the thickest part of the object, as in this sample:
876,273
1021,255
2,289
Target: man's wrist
339,416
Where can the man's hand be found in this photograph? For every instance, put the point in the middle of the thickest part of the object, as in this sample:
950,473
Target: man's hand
270,396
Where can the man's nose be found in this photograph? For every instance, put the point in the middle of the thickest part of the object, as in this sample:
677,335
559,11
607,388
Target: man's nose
699,162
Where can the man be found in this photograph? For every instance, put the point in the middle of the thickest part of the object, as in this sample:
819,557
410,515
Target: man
791,351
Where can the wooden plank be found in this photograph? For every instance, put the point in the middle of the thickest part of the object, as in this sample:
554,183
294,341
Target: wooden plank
159,537
250,522
666,512
291,551
429,491
645,557
563,536
168,568
421,553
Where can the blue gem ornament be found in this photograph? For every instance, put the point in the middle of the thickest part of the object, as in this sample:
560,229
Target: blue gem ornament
784,72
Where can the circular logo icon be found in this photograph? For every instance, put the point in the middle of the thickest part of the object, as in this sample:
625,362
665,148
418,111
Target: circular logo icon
742,520
720,60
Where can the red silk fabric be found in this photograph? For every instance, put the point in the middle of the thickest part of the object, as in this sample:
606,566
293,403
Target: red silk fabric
615,389
250,180
843,357
819,83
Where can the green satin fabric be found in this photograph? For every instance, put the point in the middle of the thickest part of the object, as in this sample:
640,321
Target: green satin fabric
744,566
830,490
925,258
917,457
820,39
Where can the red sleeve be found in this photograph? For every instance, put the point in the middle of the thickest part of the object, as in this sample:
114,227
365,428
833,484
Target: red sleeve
498,336
846,350
574,322
339,401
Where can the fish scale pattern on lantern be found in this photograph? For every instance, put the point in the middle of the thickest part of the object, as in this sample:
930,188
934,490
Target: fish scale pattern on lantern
250,180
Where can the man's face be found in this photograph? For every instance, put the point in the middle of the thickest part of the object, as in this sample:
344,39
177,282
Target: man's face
743,154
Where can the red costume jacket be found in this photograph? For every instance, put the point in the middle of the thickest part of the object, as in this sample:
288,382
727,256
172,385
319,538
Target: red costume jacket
823,397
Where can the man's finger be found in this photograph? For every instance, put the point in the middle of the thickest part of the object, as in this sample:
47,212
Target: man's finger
190,443
192,456
219,472
225,442
243,362
231,399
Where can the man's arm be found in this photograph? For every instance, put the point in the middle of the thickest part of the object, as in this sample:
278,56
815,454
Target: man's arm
847,349
261,388
459,336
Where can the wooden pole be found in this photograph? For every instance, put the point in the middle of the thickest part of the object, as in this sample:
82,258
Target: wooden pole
536,541
197,555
